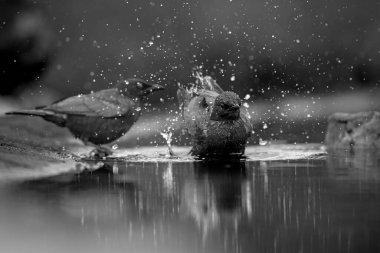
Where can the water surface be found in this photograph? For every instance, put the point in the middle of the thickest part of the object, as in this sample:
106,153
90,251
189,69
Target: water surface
319,204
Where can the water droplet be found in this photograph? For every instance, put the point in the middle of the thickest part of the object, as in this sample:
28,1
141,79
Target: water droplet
246,105
262,142
167,135
247,97
265,126
115,146
232,78
138,109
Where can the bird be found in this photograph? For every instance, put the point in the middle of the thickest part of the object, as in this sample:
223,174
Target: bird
215,119
100,117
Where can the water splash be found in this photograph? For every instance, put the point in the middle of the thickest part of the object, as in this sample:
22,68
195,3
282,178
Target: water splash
263,142
167,135
198,74
201,81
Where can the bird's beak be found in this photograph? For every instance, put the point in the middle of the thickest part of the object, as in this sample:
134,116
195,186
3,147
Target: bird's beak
152,88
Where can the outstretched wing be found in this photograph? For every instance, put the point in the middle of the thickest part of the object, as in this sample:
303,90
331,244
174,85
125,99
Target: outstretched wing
196,113
196,103
246,117
208,83
104,103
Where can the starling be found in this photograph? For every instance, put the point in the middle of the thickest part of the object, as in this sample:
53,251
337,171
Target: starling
215,119
100,117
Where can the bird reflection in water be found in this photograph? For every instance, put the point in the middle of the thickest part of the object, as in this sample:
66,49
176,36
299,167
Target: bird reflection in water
92,198
217,197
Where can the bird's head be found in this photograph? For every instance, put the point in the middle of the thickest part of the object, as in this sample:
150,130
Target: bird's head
137,88
226,107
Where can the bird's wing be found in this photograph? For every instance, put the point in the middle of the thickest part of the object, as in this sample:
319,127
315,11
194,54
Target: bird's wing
208,83
104,103
208,95
197,112
196,104
205,86
246,117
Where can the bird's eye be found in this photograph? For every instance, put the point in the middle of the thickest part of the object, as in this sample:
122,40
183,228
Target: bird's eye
139,85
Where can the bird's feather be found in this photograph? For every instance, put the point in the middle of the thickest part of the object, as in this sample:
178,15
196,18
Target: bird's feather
196,109
104,103
246,118
197,104
57,118
208,83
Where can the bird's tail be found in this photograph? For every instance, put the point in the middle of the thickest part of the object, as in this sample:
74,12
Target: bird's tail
41,113
47,115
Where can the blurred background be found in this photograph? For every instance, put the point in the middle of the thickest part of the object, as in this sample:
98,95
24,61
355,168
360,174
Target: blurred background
294,62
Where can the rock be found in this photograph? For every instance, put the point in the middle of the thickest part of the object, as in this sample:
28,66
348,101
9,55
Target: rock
357,130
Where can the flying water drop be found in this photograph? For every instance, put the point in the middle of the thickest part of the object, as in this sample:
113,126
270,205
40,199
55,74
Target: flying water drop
167,135
262,142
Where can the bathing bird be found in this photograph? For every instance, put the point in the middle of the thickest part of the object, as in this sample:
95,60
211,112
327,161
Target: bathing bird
101,117
215,119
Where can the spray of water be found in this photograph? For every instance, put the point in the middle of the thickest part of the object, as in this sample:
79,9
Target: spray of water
167,135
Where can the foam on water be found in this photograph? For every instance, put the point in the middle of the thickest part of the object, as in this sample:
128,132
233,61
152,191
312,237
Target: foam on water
253,153
31,166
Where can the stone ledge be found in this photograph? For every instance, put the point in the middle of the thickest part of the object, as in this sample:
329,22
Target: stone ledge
357,130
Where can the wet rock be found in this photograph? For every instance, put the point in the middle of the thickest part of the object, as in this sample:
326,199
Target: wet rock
33,148
358,130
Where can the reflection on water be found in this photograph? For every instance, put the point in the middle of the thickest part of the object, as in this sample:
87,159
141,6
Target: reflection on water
325,205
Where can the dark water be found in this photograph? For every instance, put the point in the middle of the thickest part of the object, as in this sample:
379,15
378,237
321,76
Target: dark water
324,205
